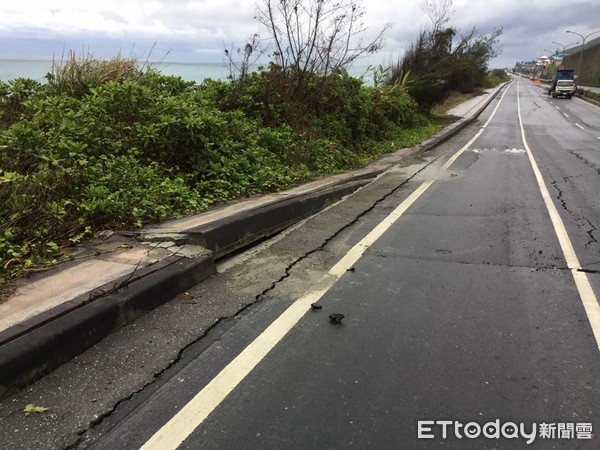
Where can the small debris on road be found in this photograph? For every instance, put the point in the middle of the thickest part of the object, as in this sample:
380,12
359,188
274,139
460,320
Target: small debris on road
351,269
336,318
315,306
32,409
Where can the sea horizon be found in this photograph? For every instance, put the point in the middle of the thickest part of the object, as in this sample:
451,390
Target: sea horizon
12,68
37,68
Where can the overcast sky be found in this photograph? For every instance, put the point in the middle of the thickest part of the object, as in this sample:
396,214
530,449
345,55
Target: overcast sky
199,30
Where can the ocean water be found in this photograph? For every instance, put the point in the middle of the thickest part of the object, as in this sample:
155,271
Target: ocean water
15,68
37,69
198,72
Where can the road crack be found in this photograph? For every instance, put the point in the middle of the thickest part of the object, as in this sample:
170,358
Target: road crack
590,232
321,247
83,433
586,161
581,221
542,268
562,201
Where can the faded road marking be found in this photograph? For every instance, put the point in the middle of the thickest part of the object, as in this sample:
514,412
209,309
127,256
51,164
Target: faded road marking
514,150
507,150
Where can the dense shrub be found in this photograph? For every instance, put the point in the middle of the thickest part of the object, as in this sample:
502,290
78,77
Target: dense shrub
589,94
13,96
97,147
441,63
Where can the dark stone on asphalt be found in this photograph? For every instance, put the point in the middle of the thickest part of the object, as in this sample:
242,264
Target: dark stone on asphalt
336,318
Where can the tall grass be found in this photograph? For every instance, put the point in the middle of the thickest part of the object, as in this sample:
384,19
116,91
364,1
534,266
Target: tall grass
75,75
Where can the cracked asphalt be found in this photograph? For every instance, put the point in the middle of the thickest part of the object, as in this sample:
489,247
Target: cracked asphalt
463,310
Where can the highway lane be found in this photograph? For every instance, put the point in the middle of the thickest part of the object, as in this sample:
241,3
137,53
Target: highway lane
581,114
464,309
568,151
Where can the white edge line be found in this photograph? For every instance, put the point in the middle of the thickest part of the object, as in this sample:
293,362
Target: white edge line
180,426
586,293
237,260
587,103
579,126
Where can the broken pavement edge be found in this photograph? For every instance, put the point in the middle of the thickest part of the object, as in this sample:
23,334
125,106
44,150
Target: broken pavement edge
30,350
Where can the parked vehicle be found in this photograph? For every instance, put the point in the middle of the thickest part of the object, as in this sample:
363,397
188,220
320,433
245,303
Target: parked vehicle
563,84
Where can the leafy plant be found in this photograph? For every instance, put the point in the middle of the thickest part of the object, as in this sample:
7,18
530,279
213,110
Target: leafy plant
32,409
105,145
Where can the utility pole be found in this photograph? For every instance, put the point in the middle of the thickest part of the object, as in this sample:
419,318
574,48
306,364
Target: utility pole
582,47
564,47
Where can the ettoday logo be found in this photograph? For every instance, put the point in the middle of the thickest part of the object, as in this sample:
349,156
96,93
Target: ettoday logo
430,429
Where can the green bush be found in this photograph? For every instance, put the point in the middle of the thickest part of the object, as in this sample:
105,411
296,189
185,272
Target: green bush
13,96
589,94
108,146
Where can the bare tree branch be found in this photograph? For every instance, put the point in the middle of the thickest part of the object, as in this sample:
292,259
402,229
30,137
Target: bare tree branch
318,36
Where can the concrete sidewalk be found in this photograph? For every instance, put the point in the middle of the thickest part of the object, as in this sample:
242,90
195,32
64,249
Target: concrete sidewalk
591,88
471,106
116,277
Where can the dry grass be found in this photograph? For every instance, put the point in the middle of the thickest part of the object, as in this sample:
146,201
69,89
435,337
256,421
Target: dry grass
76,74
456,98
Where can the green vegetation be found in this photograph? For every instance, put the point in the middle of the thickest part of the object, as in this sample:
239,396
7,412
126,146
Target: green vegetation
440,63
106,146
31,409
589,94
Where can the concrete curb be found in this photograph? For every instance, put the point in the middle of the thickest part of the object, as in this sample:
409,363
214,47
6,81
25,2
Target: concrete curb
587,99
230,234
33,349
28,357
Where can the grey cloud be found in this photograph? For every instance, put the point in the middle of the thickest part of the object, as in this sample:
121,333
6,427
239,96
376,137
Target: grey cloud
199,29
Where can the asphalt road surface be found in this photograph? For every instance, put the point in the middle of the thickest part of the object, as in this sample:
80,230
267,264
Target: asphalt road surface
469,293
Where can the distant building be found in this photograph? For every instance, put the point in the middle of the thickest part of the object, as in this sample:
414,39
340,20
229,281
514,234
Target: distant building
544,61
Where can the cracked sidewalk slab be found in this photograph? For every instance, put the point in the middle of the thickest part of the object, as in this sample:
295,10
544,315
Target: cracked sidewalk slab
41,338
48,292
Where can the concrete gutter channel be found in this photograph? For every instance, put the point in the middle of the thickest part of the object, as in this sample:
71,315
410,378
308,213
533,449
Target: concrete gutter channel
33,348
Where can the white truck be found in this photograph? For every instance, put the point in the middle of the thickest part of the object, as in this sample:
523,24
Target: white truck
563,84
